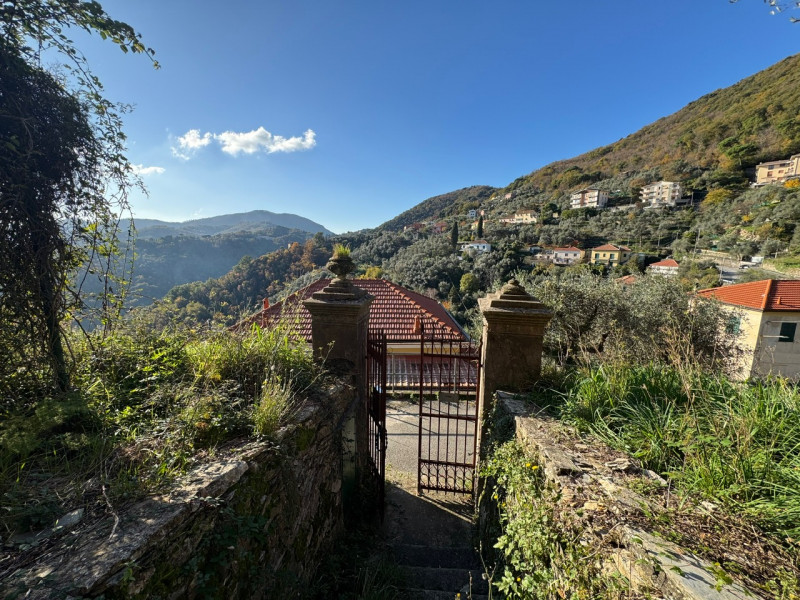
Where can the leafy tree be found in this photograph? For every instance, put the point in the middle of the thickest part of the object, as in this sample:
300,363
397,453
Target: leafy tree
63,181
469,284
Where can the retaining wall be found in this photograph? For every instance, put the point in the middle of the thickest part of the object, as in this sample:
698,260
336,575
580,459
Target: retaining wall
254,525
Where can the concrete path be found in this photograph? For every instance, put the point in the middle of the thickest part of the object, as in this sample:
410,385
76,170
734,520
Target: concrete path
431,536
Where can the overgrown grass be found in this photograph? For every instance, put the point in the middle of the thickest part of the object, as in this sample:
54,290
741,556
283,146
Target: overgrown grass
147,405
736,443
538,550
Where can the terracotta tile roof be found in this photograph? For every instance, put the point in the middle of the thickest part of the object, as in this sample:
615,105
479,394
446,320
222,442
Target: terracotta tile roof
627,280
394,310
766,295
611,248
667,262
568,249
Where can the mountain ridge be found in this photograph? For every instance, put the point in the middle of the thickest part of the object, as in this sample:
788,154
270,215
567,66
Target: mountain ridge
228,223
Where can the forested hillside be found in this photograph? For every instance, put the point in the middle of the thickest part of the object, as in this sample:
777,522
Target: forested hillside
438,207
164,262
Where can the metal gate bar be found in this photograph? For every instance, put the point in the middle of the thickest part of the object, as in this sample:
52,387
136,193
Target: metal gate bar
448,413
376,411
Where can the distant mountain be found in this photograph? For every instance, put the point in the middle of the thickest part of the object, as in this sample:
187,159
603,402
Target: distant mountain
164,262
255,220
440,207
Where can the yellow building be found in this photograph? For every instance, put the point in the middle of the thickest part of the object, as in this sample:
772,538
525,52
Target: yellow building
778,171
609,254
765,314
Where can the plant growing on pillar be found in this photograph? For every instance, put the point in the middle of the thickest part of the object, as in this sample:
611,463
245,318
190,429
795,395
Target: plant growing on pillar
340,264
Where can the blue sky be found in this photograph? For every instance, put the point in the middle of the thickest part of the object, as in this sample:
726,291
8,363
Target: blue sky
351,112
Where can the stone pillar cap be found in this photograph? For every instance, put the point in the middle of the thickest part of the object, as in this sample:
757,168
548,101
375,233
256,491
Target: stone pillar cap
513,295
340,290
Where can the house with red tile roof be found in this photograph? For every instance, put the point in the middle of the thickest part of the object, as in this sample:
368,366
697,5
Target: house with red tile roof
765,314
666,268
609,254
399,312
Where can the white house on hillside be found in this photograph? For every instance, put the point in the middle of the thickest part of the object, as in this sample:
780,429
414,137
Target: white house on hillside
666,268
477,246
589,198
567,256
662,193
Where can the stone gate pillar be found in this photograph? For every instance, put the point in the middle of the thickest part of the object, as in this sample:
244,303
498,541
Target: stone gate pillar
339,325
513,329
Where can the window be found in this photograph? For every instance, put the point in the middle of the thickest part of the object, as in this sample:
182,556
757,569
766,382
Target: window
787,332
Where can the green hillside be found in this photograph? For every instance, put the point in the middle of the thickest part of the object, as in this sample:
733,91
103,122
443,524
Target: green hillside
730,129
439,207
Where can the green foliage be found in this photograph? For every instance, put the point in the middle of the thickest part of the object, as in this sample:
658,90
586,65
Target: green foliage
147,402
597,319
468,284
538,554
733,442
63,182
341,251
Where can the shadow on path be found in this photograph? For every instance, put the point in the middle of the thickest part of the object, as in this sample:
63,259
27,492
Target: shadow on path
430,535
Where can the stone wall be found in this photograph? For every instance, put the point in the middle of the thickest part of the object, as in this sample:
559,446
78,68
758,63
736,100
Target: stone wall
595,487
253,525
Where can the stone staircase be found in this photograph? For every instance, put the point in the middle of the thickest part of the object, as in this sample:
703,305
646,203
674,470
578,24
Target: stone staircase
436,573
430,538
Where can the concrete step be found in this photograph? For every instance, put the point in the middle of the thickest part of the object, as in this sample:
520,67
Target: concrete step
451,580
415,555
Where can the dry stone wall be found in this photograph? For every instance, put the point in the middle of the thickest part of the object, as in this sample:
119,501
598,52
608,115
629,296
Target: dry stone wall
594,485
253,525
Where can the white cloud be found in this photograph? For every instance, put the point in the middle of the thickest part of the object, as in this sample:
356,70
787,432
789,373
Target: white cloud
247,142
190,142
260,139
142,170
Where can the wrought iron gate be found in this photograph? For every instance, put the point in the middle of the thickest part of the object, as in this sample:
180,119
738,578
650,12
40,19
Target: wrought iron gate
448,413
376,410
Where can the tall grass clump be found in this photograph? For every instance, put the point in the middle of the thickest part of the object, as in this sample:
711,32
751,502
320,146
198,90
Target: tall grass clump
737,443
147,404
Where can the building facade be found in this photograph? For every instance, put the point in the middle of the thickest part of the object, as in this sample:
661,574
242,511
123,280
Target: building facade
778,171
662,193
765,316
567,256
610,255
666,268
589,198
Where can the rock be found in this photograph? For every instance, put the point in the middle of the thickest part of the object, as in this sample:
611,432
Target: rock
70,519
621,464
653,476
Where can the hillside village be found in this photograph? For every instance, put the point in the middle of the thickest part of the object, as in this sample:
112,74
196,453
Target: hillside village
657,195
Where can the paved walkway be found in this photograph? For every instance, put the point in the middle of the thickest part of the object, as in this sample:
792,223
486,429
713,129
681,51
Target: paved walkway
431,536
